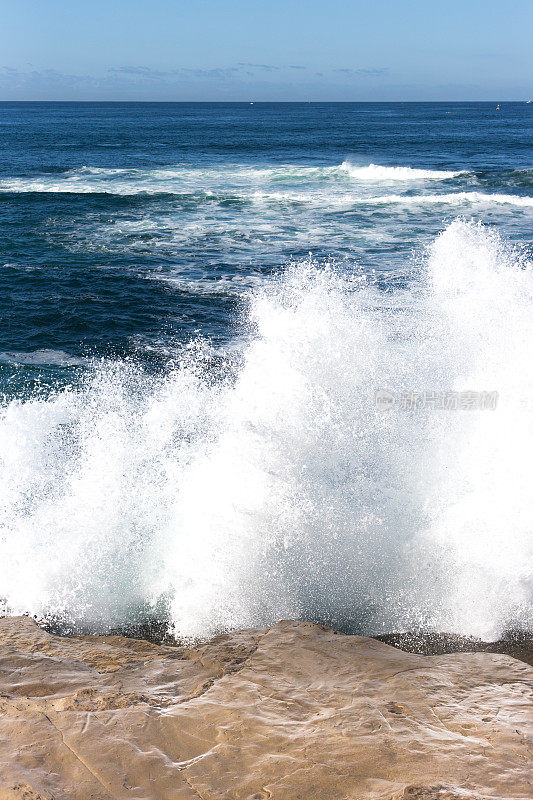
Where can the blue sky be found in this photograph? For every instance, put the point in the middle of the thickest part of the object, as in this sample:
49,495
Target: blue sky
271,50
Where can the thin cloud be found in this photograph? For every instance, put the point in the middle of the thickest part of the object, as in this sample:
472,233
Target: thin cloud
148,72
17,77
129,70
268,67
362,71
138,81
242,67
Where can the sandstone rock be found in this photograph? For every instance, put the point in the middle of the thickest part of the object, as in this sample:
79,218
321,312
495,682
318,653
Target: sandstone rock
293,712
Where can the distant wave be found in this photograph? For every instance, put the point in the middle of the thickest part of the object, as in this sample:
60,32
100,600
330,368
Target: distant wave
321,199
336,186
375,172
183,180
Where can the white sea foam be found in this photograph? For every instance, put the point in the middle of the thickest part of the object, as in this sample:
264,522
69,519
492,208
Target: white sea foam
376,172
56,358
281,490
224,284
347,199
319,196
182,180
454,199
339,187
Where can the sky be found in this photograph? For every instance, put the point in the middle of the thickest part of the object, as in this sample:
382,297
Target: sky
269,50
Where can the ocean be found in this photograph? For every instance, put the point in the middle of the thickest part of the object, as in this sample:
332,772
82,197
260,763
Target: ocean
266,361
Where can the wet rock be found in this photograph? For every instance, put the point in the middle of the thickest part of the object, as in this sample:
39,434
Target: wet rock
293,712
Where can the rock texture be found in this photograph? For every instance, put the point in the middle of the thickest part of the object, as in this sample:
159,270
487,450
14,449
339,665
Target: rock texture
294,712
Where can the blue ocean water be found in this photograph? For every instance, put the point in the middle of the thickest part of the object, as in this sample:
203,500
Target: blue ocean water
197,301
126,226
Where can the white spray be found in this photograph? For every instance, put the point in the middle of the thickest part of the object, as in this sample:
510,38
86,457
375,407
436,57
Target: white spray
282,490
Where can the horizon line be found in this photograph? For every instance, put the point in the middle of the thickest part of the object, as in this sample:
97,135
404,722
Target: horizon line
269,102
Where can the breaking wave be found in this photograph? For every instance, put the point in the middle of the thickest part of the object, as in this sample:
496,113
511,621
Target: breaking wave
375,172
339,187
218,497
184,180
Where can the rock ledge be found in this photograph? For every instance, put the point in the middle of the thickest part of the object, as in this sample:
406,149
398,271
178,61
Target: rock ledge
293,712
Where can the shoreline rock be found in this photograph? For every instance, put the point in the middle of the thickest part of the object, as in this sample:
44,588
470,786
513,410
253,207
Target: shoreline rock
515,643
292,712
518,644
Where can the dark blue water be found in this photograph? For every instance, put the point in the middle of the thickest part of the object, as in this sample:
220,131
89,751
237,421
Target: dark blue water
126,228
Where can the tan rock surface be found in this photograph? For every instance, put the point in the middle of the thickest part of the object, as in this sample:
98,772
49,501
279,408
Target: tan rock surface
294,712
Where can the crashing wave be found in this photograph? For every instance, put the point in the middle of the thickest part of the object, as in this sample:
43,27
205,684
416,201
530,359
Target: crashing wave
278,488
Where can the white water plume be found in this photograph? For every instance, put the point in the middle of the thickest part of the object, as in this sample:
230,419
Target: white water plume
281,490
